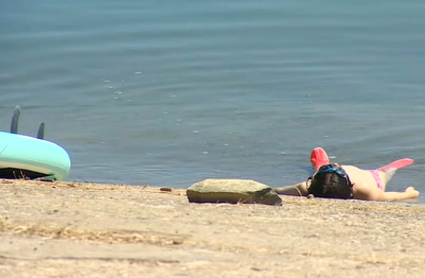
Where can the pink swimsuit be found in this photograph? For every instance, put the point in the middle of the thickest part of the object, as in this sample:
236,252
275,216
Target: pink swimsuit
377,178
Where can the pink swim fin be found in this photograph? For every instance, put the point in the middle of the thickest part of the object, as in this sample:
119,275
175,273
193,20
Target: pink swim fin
318,158
398,164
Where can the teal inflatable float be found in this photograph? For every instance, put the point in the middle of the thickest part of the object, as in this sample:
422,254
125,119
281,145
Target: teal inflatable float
31,158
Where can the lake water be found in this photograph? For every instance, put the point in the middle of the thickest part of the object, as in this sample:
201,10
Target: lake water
168,92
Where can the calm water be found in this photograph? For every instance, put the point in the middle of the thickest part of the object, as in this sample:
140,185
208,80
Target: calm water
171,92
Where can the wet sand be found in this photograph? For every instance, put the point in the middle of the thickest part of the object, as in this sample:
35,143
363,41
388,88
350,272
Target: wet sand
67,229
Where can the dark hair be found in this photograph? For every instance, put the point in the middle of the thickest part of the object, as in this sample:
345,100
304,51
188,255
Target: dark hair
330,185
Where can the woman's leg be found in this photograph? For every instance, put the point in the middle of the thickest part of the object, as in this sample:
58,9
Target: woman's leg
386,176
387,172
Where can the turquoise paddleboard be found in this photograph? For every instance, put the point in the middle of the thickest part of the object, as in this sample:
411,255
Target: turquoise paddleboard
27,157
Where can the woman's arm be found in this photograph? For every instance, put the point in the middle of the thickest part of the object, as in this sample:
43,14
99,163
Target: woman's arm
299,189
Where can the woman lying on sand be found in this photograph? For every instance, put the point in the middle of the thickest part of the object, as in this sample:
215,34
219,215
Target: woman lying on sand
348,182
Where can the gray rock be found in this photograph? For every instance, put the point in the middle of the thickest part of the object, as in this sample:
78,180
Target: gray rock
232,191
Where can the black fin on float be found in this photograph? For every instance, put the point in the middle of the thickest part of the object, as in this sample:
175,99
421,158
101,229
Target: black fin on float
40,133
15,120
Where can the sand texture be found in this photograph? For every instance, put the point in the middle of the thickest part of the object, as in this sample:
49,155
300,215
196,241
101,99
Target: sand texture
92,230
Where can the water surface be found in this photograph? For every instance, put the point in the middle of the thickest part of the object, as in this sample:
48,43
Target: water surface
171,92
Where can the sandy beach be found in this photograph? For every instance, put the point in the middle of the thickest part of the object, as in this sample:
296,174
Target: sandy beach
67,229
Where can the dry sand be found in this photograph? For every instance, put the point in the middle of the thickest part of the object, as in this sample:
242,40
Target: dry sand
92,230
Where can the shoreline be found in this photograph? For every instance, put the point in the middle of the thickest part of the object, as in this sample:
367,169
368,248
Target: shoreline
73,229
